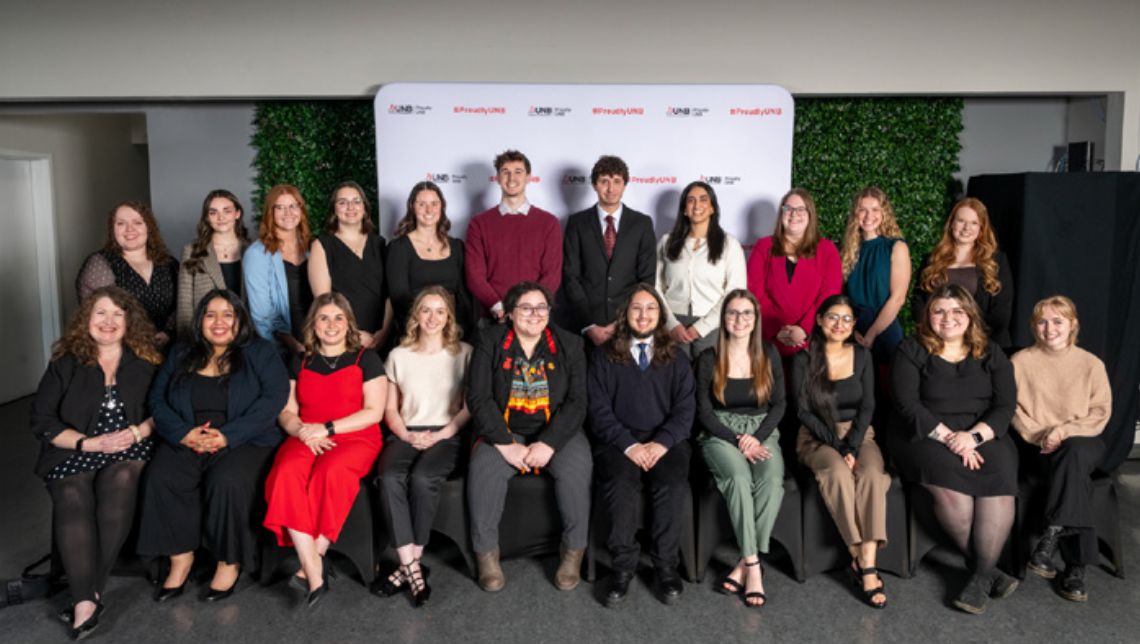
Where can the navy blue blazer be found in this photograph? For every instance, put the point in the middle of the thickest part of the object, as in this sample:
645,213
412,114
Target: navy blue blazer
256,395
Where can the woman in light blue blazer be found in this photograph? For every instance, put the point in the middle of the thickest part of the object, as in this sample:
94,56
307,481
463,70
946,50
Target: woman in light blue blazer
276,272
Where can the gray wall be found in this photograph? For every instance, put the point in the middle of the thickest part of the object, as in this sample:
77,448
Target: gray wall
95,164
195,149
70,50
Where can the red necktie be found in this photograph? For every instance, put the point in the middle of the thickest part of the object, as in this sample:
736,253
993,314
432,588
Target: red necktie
610,236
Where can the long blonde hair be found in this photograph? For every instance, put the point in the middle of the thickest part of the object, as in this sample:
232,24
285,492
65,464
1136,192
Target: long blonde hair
889,227
452,332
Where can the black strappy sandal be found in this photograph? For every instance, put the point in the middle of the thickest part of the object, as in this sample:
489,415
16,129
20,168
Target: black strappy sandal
869,595
755,594
417,581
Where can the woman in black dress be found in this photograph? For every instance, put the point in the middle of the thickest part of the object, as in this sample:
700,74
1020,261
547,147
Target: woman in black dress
968,255
421,254
954,396
215,403
91,416
349,259
135,259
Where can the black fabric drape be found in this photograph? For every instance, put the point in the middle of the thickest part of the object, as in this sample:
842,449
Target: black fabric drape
1077,235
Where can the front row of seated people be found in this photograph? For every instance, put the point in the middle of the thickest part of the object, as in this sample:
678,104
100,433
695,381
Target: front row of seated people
229,415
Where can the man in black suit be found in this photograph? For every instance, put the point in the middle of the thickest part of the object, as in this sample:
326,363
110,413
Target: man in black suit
606,249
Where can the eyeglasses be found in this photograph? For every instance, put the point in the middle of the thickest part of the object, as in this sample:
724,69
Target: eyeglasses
542,310
747,315
293,207
345,203
835,317
798,212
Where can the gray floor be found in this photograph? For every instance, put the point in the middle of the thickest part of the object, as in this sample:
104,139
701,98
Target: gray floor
531,611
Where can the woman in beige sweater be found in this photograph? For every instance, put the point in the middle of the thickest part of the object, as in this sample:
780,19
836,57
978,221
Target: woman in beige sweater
1063,404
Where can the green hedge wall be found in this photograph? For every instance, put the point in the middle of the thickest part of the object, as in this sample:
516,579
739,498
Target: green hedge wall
906,146
314,145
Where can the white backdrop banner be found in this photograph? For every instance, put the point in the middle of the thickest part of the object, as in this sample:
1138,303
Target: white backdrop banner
738,138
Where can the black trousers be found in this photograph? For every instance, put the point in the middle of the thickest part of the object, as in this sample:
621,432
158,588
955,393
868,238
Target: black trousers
622,482
410,481
216,501
1069,503
92,514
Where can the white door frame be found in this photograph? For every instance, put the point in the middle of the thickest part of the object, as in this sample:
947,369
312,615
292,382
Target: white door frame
43,210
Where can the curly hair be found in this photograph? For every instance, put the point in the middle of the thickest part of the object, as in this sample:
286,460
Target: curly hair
332,224
853,236
618,346
508,156
976,337
681,228
944,254
810,242
408,223
267,232
757,358
607,166
139,335
200,351
156,250
200,247
352,340
452,332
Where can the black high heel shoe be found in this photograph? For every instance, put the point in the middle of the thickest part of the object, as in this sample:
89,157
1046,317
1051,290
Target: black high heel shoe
755,594
417,581
89,626
317,595
218,595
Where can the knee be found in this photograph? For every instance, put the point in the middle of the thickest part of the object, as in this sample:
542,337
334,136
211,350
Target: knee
229,482
424,483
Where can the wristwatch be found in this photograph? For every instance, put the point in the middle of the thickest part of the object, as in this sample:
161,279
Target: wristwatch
977,437
329,427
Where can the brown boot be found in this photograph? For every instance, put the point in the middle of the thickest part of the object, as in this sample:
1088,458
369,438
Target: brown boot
490,574
569,568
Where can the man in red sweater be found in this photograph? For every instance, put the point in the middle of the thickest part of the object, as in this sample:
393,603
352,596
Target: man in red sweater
513,242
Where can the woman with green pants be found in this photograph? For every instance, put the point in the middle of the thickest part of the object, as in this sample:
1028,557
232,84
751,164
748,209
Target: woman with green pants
740,400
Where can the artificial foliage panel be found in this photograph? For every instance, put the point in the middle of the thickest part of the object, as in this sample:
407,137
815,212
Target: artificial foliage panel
314,145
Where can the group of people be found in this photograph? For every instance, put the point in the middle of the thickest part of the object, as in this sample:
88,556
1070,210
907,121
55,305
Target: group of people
264,380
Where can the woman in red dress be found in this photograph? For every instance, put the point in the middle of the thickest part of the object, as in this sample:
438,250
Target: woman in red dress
336,401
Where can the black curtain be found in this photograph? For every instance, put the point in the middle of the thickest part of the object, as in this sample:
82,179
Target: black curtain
1078,235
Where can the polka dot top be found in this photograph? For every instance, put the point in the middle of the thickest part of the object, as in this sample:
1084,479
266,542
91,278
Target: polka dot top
112,418
157,297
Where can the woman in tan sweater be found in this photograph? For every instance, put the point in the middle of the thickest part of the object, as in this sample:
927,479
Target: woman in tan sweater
1063,404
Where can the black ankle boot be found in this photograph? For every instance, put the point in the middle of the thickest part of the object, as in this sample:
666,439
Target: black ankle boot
975,595
1073,584
1041,561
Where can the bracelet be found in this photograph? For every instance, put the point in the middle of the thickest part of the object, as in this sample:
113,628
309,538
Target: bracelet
79,444
137,433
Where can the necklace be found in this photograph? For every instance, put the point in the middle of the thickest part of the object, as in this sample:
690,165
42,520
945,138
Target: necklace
224,252
330,365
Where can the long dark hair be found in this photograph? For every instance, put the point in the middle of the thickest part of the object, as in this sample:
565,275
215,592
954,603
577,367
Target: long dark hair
817,393
201,352
408,223
617,347
682,227
155,248
201,245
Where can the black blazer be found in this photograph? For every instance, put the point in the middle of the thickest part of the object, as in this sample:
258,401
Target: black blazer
69,396
593,285
996,309
256,395
489,387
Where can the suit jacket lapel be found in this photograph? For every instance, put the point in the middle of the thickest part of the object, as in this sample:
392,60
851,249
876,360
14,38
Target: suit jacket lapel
596,230
213,268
